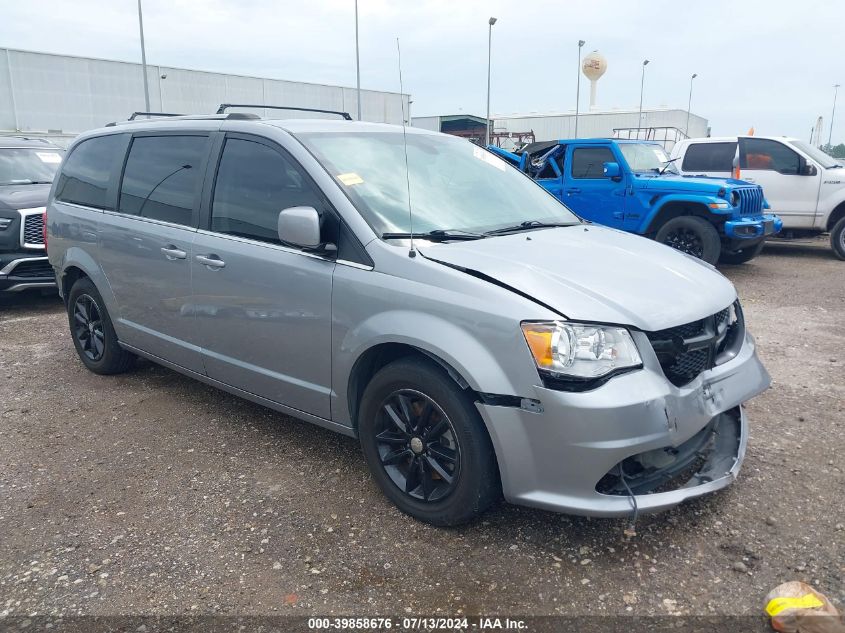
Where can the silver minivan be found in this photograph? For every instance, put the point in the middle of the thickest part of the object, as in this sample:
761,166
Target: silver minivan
412,290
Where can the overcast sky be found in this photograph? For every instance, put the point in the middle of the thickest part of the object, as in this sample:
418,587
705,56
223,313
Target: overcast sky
770,64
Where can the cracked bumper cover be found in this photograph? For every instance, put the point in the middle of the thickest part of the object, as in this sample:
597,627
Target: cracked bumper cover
555,459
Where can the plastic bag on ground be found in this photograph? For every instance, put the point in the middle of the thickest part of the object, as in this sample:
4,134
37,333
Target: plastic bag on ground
795,607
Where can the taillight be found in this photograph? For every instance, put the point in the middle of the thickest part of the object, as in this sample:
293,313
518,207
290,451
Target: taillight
44,228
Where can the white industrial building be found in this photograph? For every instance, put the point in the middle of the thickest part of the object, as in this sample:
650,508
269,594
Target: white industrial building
665,125
655,123
59,96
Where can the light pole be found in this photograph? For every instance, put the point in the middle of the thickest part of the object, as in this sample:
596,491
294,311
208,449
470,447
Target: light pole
358,61
689,103
642,85
143,58
491,22
578,86
832,114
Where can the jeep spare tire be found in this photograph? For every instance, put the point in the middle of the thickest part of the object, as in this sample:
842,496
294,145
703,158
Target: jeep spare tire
691,235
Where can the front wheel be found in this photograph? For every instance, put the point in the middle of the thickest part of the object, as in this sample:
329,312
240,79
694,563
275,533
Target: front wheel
426,444
742,255
837,238
691,235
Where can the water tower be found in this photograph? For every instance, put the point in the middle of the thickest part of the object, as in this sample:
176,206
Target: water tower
593,67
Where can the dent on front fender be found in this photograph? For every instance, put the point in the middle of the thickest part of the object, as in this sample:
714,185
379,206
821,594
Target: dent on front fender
485,348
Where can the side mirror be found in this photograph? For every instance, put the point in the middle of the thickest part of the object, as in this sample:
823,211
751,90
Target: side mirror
807,169
300,226
612,171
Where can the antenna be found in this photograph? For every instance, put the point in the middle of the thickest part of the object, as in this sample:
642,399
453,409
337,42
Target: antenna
412,252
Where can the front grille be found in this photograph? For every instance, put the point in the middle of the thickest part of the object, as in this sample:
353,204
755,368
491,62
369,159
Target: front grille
750,200
33,230
32,269
684,351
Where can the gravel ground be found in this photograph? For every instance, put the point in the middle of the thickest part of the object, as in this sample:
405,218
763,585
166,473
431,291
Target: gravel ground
150,493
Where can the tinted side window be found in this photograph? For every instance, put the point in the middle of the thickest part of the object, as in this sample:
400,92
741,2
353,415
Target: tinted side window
588,162
704,157
759,153
254,183
162,177
85,175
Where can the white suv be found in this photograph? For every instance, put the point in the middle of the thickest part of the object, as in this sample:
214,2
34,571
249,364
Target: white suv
803,185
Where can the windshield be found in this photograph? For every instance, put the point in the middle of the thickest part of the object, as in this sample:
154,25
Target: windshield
645,157
25,166
454,184
817,155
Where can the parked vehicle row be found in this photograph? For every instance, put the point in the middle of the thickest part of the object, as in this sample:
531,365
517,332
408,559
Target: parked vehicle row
27,167
634,186
804,186
413,290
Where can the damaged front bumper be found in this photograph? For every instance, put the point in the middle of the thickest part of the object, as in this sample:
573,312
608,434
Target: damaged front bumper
671,443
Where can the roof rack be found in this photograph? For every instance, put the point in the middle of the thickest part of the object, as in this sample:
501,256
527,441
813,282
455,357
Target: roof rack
134,115
28,138
159,117
225,106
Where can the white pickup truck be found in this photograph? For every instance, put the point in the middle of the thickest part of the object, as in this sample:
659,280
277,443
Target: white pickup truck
803,185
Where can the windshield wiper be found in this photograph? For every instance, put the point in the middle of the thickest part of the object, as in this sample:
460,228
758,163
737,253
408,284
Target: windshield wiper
666,166
437,235
528,224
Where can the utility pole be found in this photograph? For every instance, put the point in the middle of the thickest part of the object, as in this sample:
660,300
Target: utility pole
358,61
143,59
491,22
578,86
689,103
832,114
642,85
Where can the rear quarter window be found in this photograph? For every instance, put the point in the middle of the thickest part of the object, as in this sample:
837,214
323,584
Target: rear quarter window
86,173
704,157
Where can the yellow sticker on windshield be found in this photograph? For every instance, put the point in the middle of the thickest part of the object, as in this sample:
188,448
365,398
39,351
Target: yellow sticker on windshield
350,179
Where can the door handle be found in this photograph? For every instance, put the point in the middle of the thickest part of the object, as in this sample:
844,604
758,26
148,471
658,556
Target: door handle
575,190
210,261
173,252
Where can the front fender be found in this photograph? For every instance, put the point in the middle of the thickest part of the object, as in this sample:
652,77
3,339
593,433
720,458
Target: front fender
456,346
684,198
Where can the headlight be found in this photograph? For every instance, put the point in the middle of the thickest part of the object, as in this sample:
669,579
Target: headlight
578,350
735,198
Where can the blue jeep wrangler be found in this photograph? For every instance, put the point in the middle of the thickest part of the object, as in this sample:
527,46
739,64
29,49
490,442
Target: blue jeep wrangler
633,186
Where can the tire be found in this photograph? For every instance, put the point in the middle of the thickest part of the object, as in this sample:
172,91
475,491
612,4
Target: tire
92,331
692,235
837,238
418,476
742,255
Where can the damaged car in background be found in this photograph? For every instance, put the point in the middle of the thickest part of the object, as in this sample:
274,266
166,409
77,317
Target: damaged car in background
477,337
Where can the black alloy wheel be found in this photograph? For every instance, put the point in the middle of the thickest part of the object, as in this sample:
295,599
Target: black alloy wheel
418,445
88,327
92,331
692,235
686,241
426,444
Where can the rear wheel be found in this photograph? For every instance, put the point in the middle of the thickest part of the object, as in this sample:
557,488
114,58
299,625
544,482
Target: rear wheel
92,331
837,238
426,444
742,255
691,235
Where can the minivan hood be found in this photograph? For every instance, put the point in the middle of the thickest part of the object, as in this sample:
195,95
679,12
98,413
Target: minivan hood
592,273
23,196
